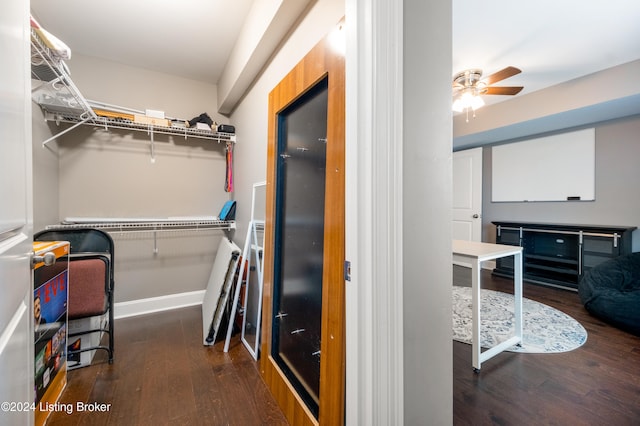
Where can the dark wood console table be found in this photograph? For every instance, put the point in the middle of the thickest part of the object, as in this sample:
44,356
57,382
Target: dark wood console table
560,254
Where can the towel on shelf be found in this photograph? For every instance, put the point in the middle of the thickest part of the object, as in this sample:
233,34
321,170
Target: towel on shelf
57,46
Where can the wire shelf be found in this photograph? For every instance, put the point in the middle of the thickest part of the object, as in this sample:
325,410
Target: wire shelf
147,225
62,101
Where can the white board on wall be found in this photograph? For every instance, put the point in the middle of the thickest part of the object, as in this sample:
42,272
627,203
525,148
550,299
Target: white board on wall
553,168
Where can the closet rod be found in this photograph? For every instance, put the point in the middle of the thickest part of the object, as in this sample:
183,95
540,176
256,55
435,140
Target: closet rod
57,135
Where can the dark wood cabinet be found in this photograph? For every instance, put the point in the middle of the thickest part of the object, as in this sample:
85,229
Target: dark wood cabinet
560,254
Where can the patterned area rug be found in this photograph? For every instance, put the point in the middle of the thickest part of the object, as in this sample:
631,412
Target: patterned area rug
546,330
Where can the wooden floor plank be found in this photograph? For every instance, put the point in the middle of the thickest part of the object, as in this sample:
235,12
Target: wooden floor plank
163,374
596,384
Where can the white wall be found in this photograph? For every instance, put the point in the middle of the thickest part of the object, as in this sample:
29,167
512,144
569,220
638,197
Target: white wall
427,215
109,174
250,116
45,172
137,88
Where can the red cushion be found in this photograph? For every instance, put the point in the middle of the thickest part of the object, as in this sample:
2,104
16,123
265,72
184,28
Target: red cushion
87,296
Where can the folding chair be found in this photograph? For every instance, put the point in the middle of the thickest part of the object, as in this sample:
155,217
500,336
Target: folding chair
91,283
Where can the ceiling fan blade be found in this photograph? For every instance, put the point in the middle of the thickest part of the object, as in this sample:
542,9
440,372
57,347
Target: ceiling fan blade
501,75
502,90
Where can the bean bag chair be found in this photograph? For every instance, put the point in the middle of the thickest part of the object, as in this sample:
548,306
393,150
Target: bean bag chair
611,292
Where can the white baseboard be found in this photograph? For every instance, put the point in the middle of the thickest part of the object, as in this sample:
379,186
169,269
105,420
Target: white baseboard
157,304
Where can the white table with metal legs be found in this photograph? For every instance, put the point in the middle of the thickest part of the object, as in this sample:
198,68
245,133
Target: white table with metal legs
475,253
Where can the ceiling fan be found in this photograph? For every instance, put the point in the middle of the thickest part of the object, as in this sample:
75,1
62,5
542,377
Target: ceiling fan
469,86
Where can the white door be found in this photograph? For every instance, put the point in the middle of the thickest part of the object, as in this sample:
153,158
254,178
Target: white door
467,194
16,339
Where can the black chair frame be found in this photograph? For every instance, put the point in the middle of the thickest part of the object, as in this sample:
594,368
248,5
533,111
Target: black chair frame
86,243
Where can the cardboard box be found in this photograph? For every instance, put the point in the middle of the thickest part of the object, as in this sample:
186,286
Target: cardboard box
50,325
83,359
154,113
143,119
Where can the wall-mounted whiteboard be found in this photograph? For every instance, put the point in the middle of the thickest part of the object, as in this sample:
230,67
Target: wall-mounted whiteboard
553,168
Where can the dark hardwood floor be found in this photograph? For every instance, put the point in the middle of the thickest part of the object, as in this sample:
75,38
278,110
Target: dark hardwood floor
596,384
162,375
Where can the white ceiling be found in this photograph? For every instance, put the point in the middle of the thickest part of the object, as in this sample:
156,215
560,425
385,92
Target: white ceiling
551,41
187,38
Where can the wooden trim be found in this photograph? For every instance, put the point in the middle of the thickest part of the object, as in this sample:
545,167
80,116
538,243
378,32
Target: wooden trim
323,60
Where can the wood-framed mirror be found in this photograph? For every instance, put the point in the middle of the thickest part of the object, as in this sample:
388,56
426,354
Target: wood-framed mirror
303,348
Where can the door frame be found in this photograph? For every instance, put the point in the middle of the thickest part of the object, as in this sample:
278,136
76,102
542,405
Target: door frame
16,216
324,59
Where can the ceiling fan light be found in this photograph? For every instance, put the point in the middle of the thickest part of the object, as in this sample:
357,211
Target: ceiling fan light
467,97
458,105
468,88
476,102
467,100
